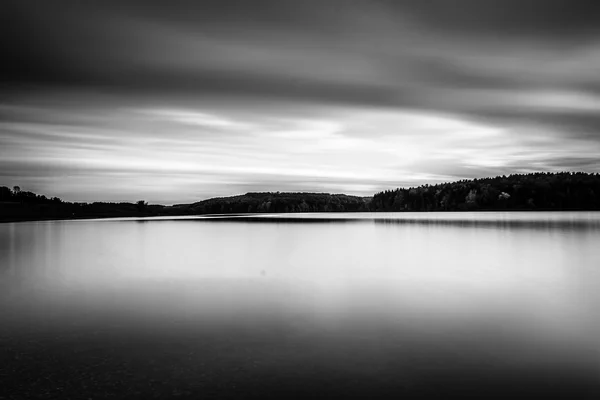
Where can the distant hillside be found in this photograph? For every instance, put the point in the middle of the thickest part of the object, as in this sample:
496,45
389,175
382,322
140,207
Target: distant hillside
538,191
17,205
281,203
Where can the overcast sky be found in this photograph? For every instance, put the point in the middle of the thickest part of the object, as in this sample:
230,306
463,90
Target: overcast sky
177,101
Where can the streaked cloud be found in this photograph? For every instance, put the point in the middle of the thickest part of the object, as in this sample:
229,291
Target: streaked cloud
177,102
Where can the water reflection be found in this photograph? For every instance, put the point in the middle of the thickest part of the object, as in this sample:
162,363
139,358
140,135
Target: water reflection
530,220
392,304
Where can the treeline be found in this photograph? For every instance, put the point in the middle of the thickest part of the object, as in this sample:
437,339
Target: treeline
21,196
281,203
18,205
536,191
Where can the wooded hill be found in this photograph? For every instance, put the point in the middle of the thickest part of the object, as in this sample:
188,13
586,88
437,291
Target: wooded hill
281,203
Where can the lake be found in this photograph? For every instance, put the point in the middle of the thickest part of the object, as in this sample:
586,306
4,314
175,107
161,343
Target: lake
312,305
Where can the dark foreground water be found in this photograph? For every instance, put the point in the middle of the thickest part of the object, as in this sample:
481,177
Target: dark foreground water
315,306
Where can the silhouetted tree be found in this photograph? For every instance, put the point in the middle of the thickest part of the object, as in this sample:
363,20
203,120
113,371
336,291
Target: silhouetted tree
141,206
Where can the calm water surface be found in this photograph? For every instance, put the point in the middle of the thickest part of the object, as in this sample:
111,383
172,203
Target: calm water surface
320,305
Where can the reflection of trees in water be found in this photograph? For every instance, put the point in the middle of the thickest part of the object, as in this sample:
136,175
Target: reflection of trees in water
537,221
503,223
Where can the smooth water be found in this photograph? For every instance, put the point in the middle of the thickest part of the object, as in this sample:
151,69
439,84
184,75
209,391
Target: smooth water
320,305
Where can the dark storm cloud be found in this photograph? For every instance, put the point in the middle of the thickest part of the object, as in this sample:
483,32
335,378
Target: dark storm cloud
76,41
530,18
371,52
576,125
391,53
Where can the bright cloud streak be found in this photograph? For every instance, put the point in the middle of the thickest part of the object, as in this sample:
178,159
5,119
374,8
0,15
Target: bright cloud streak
355,150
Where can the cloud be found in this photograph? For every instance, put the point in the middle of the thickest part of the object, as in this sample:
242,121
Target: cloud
355,151
540,19
363,95
193,118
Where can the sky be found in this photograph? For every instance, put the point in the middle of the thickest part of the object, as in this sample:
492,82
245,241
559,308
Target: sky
179,101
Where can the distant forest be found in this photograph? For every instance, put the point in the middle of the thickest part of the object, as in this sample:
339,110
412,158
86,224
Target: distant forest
537,191
281,203
19,205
